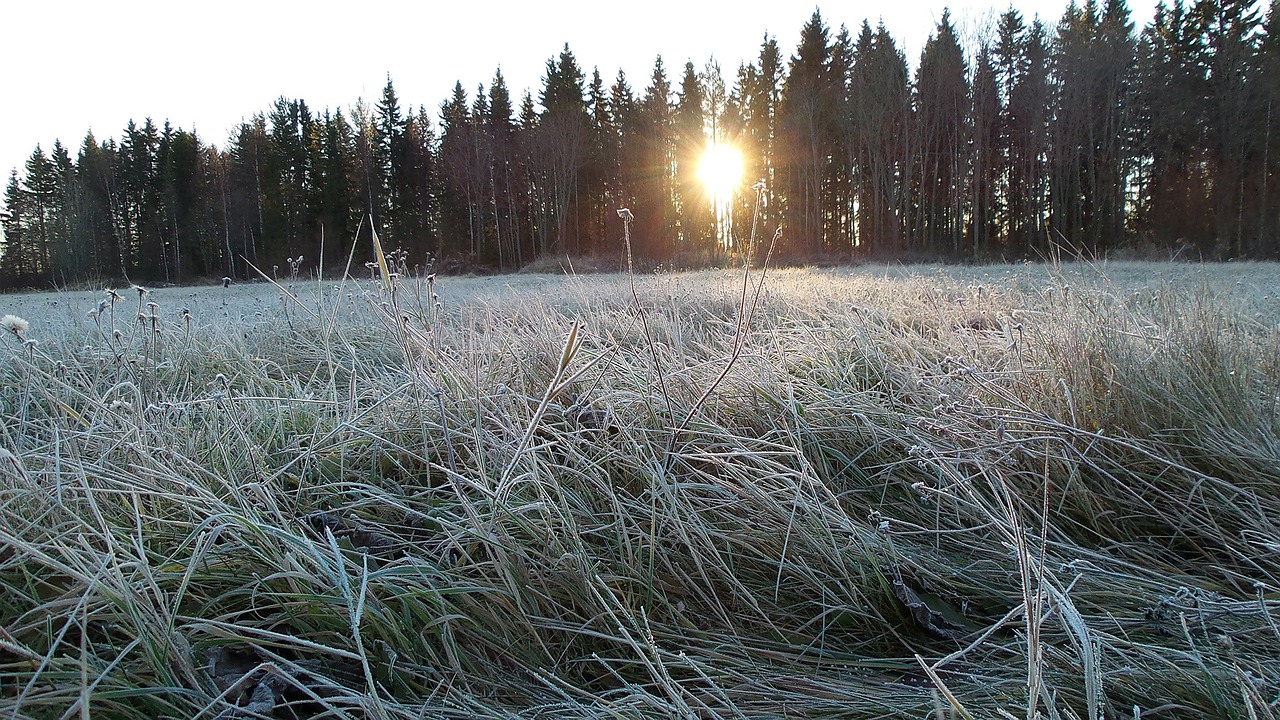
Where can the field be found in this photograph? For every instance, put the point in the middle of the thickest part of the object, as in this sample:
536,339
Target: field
992,492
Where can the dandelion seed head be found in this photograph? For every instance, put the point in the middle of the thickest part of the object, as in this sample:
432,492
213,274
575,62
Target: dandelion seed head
14,324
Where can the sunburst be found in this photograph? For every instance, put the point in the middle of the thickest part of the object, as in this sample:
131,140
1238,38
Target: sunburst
720,170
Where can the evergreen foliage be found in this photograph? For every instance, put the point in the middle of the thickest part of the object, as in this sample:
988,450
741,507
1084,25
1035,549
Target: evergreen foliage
1082,137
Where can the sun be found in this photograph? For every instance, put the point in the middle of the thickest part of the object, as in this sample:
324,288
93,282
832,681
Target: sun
720,170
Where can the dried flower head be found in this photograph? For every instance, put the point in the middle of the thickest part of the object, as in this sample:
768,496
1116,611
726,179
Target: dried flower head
14,324
625,214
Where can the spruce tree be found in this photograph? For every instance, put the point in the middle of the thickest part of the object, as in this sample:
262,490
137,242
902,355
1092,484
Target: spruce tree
563,143
805,126
942,106
693,203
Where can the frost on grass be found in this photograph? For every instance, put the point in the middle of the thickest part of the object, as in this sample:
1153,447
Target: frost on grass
915,489
14,324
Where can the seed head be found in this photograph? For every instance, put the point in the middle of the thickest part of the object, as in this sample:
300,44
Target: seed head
14,324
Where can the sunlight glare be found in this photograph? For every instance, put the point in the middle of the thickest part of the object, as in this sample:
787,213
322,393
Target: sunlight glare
720,170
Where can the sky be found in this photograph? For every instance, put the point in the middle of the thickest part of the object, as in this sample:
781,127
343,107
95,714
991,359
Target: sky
70,66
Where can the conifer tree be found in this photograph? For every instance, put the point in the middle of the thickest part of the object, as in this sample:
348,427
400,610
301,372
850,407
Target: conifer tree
15,254
655,210
461,187
693,205
881,102
985,122
942,106
806,132
505,188
563,143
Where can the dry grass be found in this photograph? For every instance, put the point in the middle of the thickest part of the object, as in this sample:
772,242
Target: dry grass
987,492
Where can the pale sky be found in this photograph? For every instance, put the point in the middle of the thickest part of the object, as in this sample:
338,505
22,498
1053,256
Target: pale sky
68,66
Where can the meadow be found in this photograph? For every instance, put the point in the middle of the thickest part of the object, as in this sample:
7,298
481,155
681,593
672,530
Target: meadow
871,492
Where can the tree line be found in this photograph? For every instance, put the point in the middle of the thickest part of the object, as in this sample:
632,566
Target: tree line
1078,137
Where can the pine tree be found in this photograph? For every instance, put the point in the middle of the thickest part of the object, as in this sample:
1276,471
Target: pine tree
40,185
461,186
15,255
418,181
243,195
286,179
655,210
840,223
599,170
335,204
1267,238
942,106
624,114
563,142
882,106
505,191
95,174
1232,33
985,118
693,205
754,106
388,150
806,132
765,126
1021,56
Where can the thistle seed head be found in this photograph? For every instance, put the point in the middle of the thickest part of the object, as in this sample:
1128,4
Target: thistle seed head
14,324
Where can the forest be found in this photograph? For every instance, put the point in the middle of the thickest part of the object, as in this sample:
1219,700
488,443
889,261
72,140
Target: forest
1081,137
